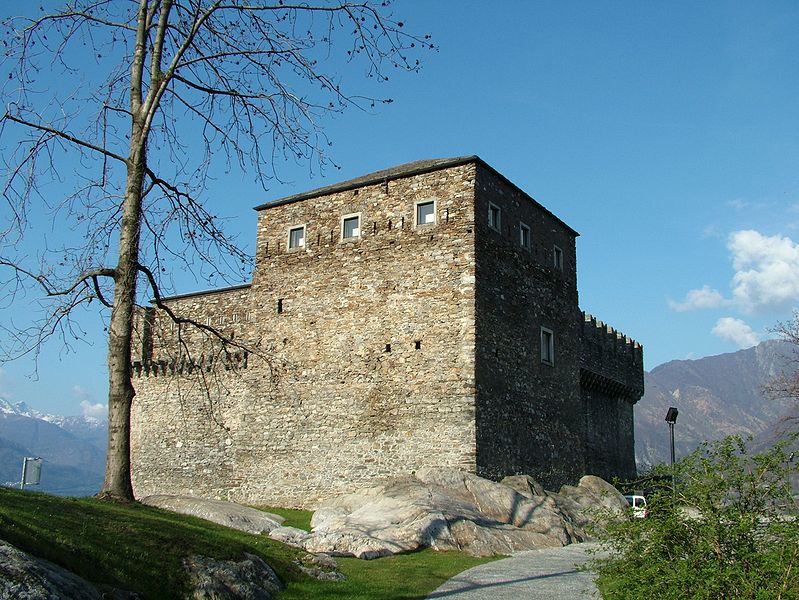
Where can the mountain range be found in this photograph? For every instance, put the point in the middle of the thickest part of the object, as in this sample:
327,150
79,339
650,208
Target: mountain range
73,449
715,395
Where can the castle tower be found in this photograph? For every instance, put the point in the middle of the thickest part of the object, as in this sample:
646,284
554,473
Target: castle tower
425,315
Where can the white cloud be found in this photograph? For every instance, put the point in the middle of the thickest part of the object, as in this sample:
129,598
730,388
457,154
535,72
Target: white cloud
99,411
736,331
766,276
89,408
704,297
766,271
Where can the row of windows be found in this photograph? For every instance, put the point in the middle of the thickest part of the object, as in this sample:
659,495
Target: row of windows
525,236
351,224
425,214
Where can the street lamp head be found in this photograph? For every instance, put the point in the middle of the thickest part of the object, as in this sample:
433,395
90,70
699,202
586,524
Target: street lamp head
671,415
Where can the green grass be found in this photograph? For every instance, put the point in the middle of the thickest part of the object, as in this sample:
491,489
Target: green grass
399,577
139,548
295,517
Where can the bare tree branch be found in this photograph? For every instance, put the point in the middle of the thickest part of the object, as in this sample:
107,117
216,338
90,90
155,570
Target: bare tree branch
49,288
64,136
122,114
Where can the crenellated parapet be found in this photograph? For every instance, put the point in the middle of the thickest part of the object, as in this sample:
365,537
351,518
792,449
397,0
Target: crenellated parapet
610,359
186,366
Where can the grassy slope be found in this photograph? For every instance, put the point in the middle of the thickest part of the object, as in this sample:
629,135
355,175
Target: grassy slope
140,548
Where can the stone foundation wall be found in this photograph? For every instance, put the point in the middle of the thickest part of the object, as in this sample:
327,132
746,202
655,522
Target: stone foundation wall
609,437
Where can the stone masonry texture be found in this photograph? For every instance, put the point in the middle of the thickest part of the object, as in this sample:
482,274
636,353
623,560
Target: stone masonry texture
414,342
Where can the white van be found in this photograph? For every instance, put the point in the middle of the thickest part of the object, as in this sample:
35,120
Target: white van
637,505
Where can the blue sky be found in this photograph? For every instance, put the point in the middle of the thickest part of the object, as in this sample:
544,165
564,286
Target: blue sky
667,134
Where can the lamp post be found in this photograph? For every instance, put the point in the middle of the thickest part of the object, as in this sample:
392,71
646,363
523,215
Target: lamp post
671,419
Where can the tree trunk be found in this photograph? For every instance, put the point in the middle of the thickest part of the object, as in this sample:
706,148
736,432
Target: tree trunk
117,483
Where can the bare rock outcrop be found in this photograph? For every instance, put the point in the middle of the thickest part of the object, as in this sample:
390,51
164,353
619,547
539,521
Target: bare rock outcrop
525,485
591,502
229,514
446,509
247,579
26,577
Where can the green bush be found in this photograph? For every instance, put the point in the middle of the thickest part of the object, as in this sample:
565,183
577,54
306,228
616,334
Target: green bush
729,531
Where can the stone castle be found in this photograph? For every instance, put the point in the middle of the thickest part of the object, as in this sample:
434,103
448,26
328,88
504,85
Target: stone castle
424,315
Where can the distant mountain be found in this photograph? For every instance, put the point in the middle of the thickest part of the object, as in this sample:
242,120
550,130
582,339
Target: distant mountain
73,449
716,396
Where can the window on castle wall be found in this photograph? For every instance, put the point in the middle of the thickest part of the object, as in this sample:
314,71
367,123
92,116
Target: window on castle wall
494,216
350,227
558,258
524,236
297,237
426,212
547,346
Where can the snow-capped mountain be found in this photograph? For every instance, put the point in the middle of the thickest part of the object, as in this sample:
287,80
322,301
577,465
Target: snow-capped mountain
73,448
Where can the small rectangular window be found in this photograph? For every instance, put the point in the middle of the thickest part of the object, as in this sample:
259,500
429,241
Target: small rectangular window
524,236
426,213
547,346
494,216
350,227
558,257
297,237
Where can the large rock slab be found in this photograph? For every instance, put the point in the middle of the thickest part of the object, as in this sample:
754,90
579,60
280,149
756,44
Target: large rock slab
525,485
446,509
224,513
591,503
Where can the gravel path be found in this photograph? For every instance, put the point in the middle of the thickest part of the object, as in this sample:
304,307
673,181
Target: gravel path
547,574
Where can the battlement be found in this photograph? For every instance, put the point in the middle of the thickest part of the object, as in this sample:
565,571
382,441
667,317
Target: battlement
610,355
595,331
185,366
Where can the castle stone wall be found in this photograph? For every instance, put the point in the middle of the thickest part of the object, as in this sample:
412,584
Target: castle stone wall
407,346
612,381
371,356
529,416
609,437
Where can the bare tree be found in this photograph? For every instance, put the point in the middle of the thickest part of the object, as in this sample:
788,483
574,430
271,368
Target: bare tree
786,384
116,114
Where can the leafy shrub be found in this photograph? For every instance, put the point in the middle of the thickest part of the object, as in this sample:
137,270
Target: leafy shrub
729,531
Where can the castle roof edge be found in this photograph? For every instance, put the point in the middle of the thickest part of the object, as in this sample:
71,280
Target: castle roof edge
410,169
417,167
231,288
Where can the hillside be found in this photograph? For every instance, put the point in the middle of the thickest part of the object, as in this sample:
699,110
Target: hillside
716,396
141,549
